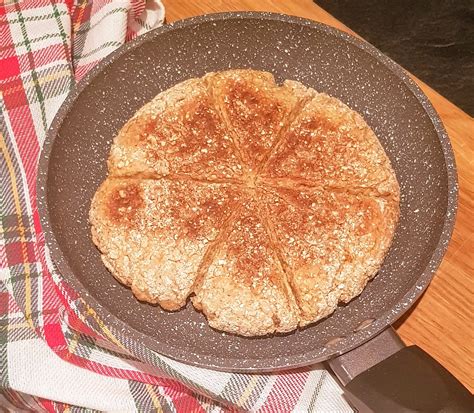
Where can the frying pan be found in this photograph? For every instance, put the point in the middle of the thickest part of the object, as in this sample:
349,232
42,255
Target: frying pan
73,163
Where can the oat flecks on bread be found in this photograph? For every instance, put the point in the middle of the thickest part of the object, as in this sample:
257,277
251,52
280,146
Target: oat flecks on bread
266,204
154,233
332,243
256,110
178,132
244,289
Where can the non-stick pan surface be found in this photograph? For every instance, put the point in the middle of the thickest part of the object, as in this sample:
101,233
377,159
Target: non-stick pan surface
73,164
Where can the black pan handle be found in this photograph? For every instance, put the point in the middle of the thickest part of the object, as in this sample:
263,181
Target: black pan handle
383,375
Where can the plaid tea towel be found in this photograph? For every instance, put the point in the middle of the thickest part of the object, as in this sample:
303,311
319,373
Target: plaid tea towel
55,353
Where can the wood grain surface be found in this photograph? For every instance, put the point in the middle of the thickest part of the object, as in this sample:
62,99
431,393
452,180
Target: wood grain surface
442,322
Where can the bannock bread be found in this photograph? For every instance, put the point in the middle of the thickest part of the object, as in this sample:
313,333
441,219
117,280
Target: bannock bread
266,204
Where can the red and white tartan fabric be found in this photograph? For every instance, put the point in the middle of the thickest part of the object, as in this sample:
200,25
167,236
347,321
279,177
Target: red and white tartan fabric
55,353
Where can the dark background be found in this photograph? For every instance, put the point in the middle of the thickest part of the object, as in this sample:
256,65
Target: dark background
433,39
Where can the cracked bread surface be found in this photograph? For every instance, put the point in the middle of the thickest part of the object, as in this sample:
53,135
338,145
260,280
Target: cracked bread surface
178,132
144,228
244,289
332,145
266,204
331,243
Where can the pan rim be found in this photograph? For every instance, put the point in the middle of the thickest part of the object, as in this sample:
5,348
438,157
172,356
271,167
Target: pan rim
352,339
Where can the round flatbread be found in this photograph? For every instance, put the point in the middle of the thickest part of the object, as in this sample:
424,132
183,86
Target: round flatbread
266,204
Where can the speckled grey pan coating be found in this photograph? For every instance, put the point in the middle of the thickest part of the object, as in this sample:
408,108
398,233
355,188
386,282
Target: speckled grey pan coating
73,164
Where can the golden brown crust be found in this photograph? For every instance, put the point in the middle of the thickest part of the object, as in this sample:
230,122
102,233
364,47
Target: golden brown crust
271,204
244,289
178,132
255,109
331,145
153,234
331,243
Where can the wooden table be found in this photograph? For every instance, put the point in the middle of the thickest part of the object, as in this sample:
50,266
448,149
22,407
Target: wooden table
442,321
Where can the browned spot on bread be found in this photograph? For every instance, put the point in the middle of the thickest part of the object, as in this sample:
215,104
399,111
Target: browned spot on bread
200,127
124,203
190,221
251,249
331,145
137,130
254,109
179,132
251,109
